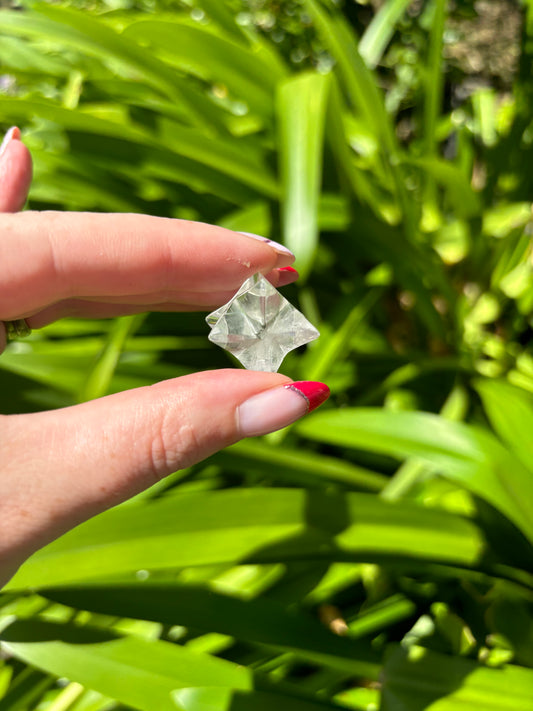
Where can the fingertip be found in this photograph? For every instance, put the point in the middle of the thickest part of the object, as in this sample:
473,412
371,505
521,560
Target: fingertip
11,134
278,407
283,276
284,256
15,172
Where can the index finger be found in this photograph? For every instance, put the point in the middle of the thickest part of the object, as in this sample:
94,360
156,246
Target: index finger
47,257
15,172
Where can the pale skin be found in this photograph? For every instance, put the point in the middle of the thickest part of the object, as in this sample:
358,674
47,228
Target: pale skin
61,467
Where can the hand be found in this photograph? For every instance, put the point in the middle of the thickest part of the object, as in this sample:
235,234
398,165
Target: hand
64,466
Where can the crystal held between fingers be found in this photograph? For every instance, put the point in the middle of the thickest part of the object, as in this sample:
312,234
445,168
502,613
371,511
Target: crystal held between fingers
259,326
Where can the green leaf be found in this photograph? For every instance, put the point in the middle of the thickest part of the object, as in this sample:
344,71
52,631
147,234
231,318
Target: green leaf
138,672
259,621
19,57
358,180
223,16
465,201
246,71
380,30
285,464
461,452
358,80
251,526
26,690
101,374
334,346
301,111
418,678
187,150
433,77
147,674
80,31
510,411
361,86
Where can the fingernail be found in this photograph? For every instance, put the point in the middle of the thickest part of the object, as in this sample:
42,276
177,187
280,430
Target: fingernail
276,245
276,408
12,133
286,275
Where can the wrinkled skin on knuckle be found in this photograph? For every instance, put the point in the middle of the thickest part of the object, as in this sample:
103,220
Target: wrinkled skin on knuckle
174,446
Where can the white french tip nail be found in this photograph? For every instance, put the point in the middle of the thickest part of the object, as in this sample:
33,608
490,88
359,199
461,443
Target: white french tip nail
7,139
270,411
276,245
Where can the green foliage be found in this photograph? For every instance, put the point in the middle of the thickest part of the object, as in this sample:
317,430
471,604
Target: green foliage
378,554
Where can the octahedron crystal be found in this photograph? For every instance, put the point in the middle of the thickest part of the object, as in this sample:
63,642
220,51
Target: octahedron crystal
259,326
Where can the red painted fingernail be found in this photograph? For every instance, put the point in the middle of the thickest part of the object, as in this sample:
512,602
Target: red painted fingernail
286,275
12,133
315,393
273,409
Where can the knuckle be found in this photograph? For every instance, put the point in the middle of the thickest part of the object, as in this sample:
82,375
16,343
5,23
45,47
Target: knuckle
173,447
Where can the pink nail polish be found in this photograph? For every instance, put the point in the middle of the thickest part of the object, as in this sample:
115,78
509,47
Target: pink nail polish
289,270
12,133
275,245
276,408
315,393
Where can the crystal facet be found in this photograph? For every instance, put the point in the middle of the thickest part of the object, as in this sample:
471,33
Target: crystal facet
259,326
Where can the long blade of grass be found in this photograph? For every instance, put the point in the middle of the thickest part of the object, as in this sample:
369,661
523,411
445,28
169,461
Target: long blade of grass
433,81
362,89
100,376
137,672
301,111
252,525
413,470
246,71
223,16
134,143
462,452
80,31
259,621
380,30
335,346
510,411
418,678
357,79
297,466
432,102
147,674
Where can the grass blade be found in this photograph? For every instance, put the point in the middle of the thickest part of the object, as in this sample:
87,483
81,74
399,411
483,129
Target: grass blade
380,30
433,84
101,374
252,526
137,672
421,679
510,411
461,452
301,110
259,621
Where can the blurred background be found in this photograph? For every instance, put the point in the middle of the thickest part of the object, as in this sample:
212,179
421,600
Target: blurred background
378,554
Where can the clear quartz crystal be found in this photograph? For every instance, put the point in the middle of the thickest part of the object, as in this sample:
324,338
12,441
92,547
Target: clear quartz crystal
259,326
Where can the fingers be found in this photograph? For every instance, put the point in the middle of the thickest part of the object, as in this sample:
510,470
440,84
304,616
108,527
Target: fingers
170,301
121,257
15,179
15,172
61,467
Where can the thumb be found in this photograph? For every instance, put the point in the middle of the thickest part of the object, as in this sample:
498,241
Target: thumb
67,465
15,172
